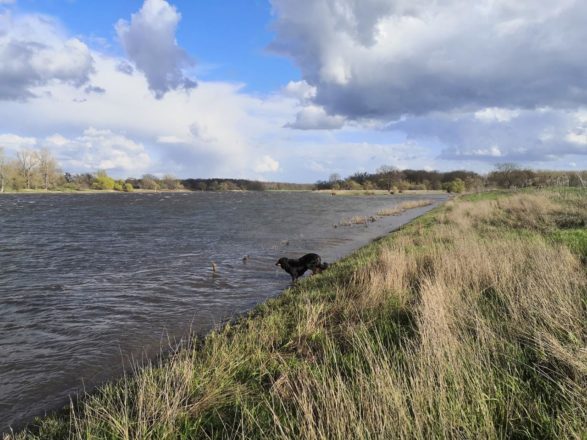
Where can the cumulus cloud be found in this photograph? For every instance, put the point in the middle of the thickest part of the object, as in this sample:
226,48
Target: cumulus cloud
149,41
477,82
99,149
313,117
300,90
14,142
267,164
388,58
540,135
34,52
216,130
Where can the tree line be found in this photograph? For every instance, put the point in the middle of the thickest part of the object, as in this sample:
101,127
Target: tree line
506,175
38,170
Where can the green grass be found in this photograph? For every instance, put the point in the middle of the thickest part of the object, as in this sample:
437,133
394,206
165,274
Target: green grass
486,195
470,322
575,239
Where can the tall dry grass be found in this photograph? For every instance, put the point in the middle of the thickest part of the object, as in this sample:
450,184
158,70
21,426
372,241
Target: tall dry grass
485,316
470,323
403,206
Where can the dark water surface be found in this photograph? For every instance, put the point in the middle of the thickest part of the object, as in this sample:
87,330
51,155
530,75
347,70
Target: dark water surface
88,280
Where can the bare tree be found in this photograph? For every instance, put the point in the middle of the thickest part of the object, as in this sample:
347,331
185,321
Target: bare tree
390,175
47,166
334,178
26,160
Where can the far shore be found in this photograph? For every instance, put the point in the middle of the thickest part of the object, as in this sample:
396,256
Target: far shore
378,192
96,191
342,192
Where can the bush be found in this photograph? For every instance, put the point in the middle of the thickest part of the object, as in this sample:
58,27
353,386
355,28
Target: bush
128,187
455,186
103,182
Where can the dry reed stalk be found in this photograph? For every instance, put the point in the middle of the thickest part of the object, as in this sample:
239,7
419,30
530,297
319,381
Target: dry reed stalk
404,206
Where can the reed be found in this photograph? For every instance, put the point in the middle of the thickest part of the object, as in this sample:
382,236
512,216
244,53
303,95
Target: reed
404,206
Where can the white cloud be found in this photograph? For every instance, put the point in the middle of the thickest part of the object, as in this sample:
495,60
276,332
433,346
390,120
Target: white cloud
267,164
535,136
314,117
493,151
35,52
97,149
300,90
215,130
577,138
492,114
149,41
14,142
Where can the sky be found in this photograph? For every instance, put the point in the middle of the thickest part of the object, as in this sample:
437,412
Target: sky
294,90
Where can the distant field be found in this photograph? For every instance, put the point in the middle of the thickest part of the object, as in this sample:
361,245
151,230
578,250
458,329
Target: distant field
471,322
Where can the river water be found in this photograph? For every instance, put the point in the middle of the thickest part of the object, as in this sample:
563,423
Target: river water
89,280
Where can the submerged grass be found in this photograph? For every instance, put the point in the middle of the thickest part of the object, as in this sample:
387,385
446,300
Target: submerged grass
404,206
471,322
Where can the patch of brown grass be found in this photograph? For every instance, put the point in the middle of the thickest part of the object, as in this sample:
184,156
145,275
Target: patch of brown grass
404,206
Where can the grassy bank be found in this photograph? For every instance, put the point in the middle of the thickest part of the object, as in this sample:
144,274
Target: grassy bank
471,322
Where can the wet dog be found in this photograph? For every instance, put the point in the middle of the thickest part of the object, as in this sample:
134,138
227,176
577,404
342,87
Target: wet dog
297,267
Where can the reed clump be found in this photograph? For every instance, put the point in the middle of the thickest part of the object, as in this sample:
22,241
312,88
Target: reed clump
471,322
403,206
355,220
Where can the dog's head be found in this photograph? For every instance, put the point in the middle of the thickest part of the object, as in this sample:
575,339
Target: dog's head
281,262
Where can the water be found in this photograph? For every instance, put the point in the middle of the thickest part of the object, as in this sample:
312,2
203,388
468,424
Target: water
89,280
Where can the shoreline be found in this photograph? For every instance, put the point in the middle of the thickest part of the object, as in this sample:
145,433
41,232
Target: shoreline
96,191
319,343
188,191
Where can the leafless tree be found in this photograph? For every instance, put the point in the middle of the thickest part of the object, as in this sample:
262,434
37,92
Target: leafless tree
334,178
47,166
390,174
27,162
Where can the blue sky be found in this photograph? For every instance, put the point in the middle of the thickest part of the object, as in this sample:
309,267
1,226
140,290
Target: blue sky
294,90
227,39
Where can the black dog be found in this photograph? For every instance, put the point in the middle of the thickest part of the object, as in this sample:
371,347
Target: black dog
296,268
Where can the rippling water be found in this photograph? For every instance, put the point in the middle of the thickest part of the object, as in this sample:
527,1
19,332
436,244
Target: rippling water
88,280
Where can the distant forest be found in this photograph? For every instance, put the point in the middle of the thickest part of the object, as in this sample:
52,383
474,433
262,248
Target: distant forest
38,170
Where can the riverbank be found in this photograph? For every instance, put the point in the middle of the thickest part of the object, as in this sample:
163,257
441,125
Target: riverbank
378,192
96,191
470,322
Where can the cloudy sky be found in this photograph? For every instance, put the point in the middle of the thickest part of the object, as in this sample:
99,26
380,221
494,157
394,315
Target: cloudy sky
294,90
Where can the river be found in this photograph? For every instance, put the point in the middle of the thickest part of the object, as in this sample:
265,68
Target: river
89,280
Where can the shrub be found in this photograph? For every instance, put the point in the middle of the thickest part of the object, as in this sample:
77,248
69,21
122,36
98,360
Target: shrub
103,182
455,186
